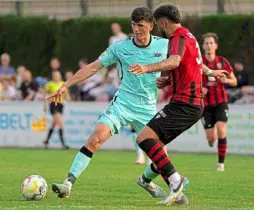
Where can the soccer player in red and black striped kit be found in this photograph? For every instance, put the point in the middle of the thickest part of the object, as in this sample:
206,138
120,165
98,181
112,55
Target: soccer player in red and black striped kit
216,101
184,64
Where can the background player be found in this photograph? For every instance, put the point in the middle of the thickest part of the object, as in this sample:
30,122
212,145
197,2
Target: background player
216,101
56,110
135,102
186,106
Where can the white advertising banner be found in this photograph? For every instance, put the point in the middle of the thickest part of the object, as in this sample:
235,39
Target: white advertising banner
21,125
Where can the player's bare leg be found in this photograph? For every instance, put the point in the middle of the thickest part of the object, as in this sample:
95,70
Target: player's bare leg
100,136
211,134
50,131
153,147
222,144
60,123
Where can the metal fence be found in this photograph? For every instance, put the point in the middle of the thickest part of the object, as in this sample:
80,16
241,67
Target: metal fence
64,9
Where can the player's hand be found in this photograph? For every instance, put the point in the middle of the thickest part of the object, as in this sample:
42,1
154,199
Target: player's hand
219,73
56,97
138,69
162,82
224,80
204,91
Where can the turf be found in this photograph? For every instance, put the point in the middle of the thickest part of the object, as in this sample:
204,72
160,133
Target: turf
110,181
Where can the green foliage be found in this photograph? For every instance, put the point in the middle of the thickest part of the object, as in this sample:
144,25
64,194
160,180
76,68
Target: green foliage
33,41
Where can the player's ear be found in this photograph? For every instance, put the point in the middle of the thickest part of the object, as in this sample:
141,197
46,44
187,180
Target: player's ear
151,25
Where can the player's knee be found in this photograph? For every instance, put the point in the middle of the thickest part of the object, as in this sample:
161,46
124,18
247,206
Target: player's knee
93,143
221,129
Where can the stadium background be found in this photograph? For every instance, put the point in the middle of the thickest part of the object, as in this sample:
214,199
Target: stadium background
34,32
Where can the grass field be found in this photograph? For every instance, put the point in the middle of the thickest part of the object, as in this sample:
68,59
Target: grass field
109,182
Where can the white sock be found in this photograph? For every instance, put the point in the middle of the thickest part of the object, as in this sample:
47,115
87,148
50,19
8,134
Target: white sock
68,184
174,178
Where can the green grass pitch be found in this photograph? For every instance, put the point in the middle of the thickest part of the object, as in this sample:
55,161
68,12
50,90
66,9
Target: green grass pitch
110,181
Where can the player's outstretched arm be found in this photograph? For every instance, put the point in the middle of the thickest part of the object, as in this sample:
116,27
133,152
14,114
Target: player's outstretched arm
80,76
211,73
84,73
168,64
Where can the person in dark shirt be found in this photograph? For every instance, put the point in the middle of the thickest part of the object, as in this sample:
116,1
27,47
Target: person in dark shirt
28,87
241,74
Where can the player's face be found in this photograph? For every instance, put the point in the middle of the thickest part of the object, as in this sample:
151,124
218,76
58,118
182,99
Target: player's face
210,46
141,29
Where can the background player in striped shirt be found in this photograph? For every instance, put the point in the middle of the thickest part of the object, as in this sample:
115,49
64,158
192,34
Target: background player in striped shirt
216,101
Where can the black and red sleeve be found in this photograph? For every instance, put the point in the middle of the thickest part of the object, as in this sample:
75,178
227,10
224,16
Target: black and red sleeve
226,65
176,46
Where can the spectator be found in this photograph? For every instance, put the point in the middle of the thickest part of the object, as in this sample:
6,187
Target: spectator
241,74
28,87
89,84
242,77
5,69
9,90
74,90
55,65
20,71
118,35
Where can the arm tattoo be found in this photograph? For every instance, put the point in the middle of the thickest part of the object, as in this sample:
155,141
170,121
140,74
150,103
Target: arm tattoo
166,65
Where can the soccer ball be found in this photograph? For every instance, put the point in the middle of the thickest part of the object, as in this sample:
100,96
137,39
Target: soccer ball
34,187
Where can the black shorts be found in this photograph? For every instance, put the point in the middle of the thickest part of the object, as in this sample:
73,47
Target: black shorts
56,108
213,114
174,119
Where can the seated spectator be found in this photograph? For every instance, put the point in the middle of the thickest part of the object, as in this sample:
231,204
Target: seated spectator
20,71
55,65
9,90
106,91
89,84
6,71
247,95
234,93
74,90
29,87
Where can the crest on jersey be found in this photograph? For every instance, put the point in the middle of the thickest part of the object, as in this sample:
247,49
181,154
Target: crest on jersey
219,65
157,54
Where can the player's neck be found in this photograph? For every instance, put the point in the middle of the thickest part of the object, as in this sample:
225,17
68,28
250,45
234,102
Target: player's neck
210,57
173,29
142,42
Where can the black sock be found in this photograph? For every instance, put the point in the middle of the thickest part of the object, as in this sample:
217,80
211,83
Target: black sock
86,152
156,153
71,178
222,149
49,135
61,136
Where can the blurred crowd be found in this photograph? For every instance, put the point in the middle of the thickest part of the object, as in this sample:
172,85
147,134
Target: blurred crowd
20,84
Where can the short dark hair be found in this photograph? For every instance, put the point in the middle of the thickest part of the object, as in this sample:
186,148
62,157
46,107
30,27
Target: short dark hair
210,34
168,11
83,59
142,13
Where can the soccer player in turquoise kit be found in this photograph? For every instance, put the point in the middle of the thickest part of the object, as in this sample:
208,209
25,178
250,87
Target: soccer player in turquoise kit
134,103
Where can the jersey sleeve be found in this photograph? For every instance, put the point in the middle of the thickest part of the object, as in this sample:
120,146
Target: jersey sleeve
226,65
176,46
108,57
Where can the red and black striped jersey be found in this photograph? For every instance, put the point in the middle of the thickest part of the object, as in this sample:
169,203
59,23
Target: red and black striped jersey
186,79
216,90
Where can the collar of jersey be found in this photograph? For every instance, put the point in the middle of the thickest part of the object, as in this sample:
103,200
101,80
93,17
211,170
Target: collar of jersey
142,46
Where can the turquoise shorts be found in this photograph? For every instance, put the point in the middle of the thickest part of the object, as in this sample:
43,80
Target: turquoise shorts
118,115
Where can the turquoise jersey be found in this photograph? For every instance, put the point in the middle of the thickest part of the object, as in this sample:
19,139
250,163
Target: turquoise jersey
136,91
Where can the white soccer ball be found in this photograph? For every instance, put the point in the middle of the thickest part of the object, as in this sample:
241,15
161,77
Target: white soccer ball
34,187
